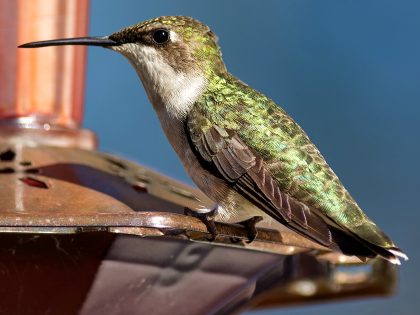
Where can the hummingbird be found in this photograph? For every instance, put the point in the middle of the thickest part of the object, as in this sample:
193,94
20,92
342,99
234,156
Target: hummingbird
238,146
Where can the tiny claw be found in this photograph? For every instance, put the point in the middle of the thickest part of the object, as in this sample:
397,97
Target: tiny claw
250,225
207,218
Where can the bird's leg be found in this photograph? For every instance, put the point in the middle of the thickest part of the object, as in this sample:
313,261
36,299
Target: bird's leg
207,217
250,225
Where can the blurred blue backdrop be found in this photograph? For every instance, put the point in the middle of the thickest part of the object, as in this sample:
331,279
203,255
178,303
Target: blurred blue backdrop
347,71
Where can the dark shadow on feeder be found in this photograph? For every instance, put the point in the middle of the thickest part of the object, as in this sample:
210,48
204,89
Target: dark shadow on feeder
7,156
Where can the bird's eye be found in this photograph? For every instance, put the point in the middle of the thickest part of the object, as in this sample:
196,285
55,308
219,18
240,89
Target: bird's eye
160,36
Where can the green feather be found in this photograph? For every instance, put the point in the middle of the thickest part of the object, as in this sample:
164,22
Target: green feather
298,167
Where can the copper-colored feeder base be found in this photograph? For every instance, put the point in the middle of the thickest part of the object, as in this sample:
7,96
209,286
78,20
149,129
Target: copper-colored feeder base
89,233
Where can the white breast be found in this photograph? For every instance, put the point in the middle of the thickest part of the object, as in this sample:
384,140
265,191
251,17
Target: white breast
166,88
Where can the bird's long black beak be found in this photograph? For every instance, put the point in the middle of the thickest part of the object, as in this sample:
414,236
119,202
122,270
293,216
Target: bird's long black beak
86,41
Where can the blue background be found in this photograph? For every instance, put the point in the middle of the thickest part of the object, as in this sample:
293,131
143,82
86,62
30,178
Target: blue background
347,71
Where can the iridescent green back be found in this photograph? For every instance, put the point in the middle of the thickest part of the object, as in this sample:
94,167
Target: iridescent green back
291,157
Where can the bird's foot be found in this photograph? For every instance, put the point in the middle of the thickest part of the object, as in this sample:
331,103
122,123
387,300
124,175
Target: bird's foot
207,217
250,225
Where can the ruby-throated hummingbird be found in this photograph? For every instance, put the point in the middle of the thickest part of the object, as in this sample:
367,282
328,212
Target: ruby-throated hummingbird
239,147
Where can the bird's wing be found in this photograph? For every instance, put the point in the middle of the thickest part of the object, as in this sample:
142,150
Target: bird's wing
224,152
252,143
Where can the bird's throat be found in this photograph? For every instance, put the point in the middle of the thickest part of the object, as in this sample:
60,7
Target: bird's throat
167,89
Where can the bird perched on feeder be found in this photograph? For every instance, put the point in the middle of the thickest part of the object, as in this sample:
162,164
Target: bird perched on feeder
240,148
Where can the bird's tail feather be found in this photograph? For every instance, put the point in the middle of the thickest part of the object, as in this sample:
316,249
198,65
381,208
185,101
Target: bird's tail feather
345,241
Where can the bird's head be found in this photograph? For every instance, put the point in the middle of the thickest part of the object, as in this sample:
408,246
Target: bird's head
175,56
183,43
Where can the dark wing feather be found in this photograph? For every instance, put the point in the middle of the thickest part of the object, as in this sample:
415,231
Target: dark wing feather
244,169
